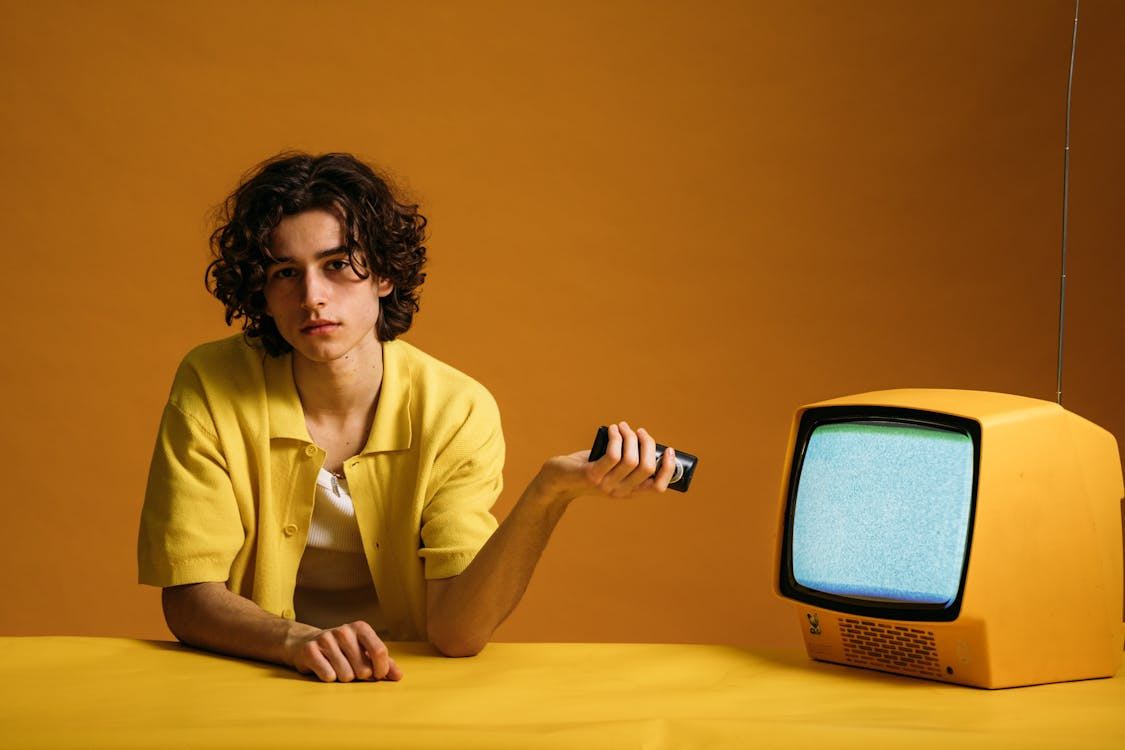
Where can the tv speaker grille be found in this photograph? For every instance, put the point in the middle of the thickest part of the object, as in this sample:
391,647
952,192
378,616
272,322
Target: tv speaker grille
894,648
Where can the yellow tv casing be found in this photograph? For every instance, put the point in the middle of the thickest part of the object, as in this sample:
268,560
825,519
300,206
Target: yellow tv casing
1042,597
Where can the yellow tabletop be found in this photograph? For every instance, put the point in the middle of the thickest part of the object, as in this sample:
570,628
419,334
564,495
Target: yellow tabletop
59,692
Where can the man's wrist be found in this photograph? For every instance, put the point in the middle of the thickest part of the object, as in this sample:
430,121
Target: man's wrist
295,634
544,494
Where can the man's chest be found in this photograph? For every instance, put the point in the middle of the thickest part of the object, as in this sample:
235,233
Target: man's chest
340,442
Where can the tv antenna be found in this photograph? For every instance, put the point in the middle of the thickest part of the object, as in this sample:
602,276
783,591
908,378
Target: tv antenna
1066,204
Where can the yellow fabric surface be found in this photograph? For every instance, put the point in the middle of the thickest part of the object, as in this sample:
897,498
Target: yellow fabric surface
232,482
62,692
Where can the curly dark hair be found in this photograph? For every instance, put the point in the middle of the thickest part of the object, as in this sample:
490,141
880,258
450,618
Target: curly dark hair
383,235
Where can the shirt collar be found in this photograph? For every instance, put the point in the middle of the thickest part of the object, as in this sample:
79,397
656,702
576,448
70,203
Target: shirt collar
391,429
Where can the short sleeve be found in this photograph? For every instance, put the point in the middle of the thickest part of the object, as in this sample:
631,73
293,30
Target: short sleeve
190,528
456,522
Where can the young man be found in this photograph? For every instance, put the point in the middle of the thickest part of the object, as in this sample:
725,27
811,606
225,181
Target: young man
318,484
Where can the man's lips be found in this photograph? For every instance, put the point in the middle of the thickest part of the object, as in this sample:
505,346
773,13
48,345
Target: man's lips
318,325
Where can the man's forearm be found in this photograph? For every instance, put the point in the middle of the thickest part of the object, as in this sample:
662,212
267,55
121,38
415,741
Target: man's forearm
481,597
210,616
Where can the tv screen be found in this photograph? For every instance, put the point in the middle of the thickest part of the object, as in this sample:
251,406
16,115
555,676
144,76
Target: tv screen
880,511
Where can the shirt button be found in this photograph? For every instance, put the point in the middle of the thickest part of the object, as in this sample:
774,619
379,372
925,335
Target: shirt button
310,450
287,614
290,529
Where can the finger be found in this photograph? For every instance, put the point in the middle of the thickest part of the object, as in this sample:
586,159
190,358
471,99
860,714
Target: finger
667,470
629,458
348,641
316,663
331,650
647,465
612,453
376,652
609,459
394,673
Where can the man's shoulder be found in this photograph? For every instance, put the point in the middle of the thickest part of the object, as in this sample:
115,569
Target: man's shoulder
455,411
221,356
440,380
227,364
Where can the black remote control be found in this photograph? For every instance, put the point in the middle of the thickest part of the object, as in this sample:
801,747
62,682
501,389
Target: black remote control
685,462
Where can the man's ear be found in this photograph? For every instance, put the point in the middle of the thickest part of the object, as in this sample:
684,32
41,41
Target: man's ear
384,287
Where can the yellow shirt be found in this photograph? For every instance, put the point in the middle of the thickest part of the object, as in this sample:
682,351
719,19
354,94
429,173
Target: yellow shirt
233,478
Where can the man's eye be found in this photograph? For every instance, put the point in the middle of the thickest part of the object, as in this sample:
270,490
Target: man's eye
337,265
283,273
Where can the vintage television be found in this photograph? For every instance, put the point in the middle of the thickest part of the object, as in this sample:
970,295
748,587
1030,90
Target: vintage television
961,536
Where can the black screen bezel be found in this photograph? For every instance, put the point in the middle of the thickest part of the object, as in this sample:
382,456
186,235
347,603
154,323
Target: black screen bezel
817,416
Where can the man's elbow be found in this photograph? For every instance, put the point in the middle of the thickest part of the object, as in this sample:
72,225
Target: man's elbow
180,605
172,602
455,645
457,650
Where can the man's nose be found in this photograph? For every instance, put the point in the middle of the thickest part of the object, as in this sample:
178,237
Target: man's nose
315,291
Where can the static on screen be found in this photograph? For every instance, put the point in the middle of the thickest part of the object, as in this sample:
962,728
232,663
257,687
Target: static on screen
882,512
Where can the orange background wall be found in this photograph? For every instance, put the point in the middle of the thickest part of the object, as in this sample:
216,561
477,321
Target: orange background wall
692,216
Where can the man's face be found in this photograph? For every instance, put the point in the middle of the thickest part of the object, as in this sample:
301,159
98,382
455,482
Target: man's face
320,305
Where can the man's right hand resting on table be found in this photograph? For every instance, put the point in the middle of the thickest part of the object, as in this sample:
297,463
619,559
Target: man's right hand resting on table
210,616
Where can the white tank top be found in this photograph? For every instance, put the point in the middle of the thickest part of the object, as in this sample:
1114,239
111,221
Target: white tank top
333,581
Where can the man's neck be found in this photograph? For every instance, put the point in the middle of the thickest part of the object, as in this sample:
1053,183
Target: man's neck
344,389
